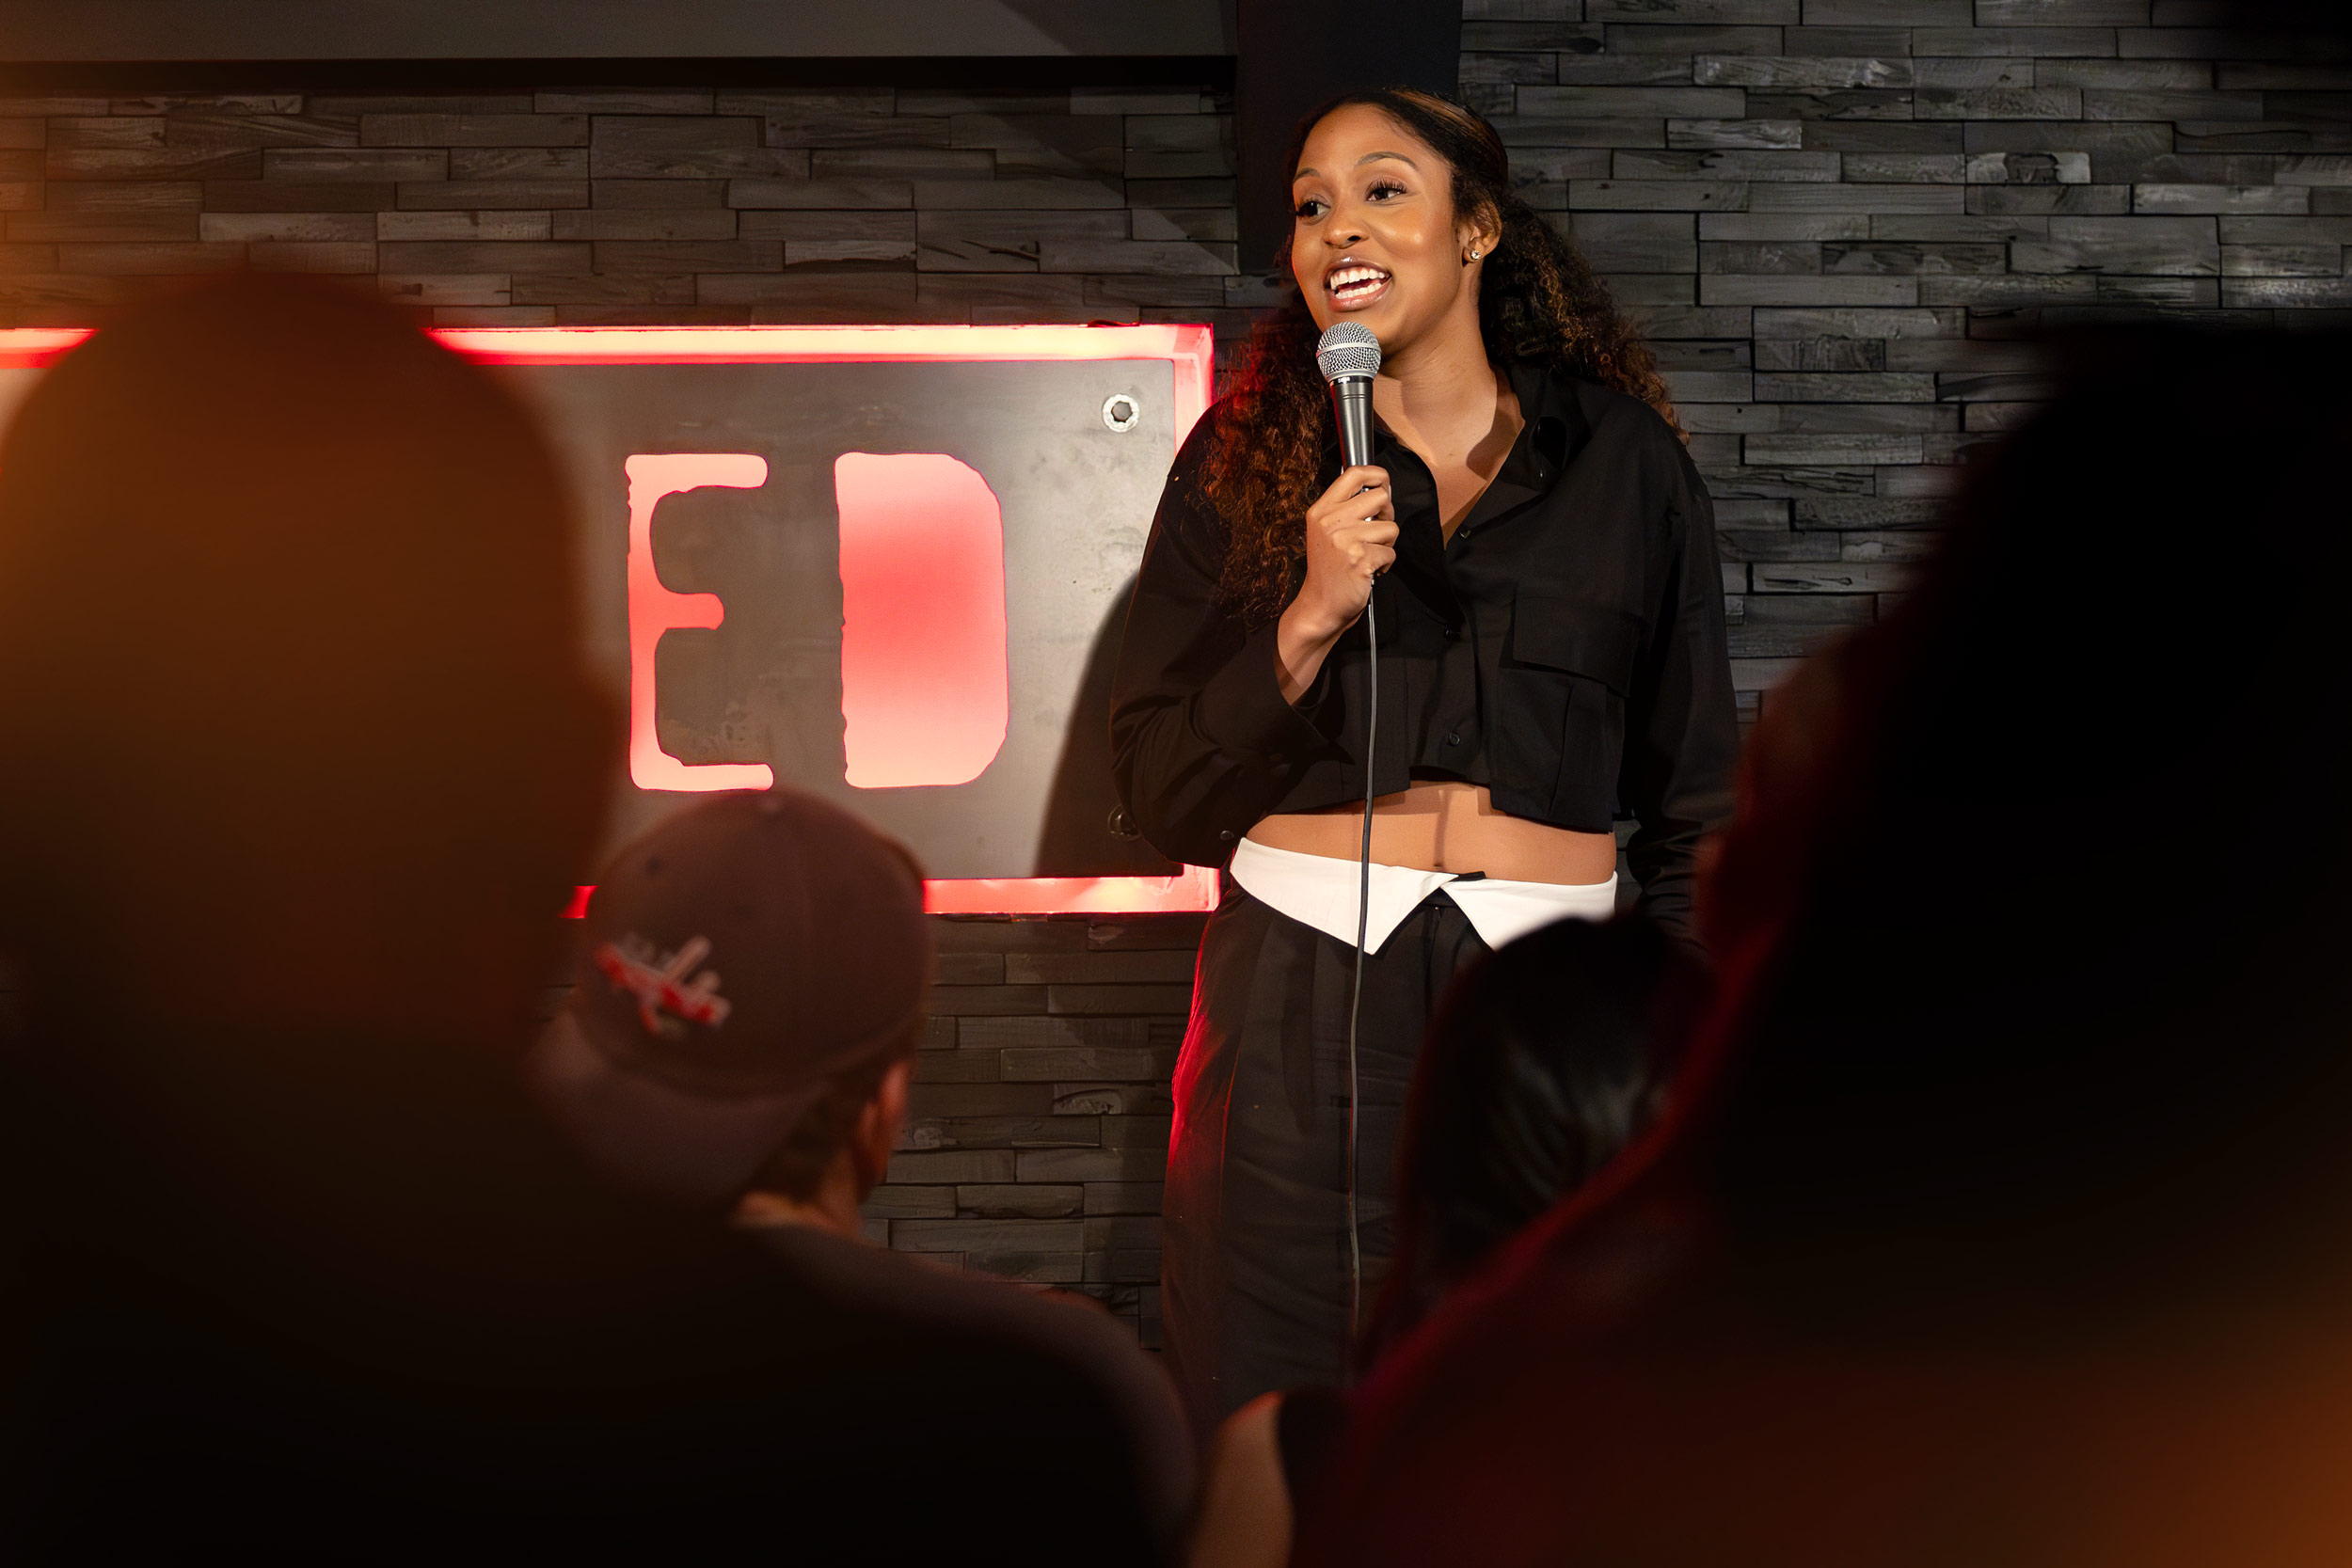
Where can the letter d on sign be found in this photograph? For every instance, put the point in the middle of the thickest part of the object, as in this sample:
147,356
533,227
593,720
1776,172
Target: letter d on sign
924,679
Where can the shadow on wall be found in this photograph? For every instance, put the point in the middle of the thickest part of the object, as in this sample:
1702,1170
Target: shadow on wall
1078,838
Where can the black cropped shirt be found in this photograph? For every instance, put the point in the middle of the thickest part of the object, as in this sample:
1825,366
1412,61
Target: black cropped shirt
1564,649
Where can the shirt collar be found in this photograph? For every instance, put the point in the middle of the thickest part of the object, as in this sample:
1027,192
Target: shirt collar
1553,430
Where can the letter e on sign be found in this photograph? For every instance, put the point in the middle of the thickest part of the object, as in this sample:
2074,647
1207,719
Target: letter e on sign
925,687
655,609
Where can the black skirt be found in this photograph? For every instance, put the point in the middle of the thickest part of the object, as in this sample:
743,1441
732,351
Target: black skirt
1254,1259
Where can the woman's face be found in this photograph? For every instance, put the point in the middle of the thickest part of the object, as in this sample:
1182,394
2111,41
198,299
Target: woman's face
1373,234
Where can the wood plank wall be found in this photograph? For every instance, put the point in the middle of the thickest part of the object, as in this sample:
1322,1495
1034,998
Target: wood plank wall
1841,220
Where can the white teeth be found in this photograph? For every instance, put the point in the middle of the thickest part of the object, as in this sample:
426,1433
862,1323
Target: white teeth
1353,279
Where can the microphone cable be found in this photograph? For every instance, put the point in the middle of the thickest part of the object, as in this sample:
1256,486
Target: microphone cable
1356,995
1348,354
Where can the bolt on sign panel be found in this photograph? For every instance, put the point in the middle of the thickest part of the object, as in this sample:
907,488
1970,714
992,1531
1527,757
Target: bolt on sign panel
885,564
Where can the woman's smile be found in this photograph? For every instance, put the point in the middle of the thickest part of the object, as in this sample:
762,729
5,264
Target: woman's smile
1353,285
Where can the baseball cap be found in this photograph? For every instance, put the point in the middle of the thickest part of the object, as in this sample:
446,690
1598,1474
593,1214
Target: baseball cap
736,959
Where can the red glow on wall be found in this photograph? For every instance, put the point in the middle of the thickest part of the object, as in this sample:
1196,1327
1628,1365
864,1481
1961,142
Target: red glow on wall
924,685
654,610
31,347
1191,891
1188,349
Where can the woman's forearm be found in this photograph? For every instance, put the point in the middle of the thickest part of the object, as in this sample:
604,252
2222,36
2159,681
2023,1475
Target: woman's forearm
1299,648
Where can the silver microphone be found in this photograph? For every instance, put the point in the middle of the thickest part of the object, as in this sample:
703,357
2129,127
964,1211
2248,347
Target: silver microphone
1349,358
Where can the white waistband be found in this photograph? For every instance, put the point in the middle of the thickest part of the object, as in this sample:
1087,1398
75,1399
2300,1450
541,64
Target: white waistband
1318,890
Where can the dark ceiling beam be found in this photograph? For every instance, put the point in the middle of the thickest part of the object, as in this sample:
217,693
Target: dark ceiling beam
121,78
149,31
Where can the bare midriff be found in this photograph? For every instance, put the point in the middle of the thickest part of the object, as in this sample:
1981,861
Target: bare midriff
1446,825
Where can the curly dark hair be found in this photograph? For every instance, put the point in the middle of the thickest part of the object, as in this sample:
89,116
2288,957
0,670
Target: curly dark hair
1538,304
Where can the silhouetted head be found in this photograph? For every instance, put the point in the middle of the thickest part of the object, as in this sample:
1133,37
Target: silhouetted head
299,758
746,1007
1545,1060
297,723
2056,1004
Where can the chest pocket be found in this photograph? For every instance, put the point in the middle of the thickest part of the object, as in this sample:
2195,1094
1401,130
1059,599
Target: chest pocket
1559,727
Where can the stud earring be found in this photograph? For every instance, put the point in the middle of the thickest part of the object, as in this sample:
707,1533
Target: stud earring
1473,253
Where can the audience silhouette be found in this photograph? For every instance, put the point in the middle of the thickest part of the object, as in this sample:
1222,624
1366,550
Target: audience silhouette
1543,1061
2001,1217
740,1040
299,766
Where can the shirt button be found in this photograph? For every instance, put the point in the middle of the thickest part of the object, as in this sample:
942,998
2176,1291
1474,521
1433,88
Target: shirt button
1228,835
1453,739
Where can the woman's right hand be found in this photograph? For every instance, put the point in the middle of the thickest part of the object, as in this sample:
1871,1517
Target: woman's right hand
1351,539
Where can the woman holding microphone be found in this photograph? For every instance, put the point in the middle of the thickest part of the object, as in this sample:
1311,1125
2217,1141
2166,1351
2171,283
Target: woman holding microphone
1552,655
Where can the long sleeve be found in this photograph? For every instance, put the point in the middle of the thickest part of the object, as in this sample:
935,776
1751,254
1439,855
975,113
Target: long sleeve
1202,743
1682,731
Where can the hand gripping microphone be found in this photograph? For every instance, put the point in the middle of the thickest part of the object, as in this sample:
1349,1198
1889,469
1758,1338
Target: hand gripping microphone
1349,358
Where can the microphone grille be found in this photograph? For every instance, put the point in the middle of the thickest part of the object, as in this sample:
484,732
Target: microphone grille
1348,348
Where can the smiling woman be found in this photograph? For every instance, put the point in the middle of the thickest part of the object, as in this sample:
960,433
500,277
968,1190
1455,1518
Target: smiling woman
1528,296
1550,658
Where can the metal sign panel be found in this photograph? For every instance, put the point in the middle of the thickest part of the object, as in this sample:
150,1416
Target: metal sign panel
886,564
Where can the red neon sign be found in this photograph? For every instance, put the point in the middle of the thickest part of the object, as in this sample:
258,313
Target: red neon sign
891,758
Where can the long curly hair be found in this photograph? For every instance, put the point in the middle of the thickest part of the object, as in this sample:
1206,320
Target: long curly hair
1538,304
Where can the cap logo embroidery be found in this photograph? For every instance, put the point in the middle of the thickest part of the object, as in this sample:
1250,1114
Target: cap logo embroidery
660,984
